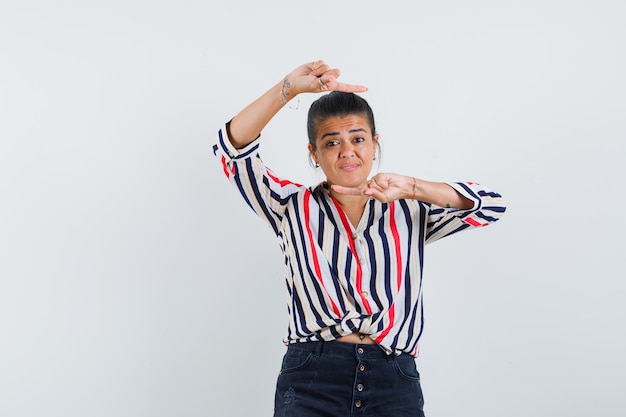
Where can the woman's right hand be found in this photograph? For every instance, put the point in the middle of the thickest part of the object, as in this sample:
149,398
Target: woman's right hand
316,77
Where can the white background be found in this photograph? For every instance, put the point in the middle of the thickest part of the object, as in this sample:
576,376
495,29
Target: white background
135,282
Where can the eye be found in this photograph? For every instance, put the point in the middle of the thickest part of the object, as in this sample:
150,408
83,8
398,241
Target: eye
359,139
331,143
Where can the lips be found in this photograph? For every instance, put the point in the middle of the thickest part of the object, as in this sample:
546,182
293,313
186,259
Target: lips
349,167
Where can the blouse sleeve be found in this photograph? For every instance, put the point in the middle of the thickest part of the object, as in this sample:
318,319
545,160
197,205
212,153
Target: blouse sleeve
266,194
488,208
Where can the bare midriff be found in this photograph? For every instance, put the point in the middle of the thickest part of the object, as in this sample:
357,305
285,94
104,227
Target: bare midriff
357,338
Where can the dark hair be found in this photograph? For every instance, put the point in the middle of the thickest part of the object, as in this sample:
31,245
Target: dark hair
337,104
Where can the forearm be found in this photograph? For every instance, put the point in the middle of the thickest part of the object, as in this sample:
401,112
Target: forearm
438,193
249,122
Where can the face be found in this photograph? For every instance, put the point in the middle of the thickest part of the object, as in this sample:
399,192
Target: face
345,150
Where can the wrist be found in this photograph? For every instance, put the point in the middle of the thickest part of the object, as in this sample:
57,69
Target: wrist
412,188
287,92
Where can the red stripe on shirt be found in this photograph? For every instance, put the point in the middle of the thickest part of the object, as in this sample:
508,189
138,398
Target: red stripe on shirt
225,166
359,270
282,183
316,264
396,242
472,222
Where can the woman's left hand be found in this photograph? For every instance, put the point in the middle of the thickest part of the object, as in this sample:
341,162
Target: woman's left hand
384,187
387,187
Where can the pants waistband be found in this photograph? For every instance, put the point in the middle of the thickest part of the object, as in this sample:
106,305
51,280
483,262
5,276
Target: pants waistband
342,349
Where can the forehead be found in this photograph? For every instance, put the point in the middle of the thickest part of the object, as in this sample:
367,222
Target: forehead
337,125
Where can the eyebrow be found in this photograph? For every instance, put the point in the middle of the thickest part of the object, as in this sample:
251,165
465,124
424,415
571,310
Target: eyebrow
337,133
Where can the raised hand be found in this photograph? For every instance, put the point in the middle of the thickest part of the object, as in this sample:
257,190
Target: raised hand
316,77
384,187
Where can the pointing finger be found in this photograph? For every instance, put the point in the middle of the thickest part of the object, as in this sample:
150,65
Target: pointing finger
346,88
347,190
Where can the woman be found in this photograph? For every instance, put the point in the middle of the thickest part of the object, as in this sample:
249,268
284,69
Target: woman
353,248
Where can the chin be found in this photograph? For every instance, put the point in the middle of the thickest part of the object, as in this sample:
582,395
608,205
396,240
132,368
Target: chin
350,183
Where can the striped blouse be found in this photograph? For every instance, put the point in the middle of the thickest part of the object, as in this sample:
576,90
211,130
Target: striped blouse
340,278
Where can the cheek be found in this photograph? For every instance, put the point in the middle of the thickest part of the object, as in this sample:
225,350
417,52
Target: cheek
328,154
368,152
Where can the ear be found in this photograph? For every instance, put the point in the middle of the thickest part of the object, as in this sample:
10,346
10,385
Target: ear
376,146
312,152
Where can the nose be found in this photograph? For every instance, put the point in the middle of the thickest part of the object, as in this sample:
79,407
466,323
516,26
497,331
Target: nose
347,149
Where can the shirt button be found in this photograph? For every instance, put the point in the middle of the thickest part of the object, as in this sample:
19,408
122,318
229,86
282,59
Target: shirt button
362,368
354,236
359,387
365,294
361,261
357,403
361,351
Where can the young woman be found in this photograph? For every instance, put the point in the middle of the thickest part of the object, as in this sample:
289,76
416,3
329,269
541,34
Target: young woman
353,248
